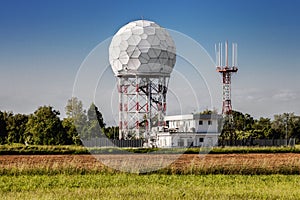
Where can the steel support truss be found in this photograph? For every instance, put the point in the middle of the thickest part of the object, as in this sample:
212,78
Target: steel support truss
142,105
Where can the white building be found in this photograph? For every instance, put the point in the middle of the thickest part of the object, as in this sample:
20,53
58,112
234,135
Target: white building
189,130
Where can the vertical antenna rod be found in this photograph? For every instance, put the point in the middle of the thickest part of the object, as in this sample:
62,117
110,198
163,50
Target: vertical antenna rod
226,53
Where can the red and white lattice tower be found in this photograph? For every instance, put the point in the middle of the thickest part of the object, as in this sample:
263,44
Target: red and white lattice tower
224,67
142,55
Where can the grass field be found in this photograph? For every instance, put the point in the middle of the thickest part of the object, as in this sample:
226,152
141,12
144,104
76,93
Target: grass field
131,186
220,175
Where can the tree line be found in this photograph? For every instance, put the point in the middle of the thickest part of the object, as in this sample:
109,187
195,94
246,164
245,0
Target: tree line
44,126
244,126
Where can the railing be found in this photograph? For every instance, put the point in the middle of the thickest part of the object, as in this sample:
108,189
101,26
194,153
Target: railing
258,142
105,142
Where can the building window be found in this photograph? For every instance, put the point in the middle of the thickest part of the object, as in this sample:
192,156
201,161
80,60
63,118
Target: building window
200,122
201,139
209,122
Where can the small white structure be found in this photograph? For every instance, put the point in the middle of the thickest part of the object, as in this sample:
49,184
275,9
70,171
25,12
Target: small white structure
189,130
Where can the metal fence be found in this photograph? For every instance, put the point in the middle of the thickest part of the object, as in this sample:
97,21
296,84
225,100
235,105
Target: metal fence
105,142
258,142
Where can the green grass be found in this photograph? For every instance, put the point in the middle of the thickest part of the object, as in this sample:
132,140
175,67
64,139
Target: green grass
19,149
239,150
155,186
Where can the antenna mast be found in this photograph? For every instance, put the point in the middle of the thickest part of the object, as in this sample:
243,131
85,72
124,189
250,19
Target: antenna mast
226,72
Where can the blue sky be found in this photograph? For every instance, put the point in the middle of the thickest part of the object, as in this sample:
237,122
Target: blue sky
43,43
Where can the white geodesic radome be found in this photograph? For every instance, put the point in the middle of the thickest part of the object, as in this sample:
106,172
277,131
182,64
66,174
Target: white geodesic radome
142,47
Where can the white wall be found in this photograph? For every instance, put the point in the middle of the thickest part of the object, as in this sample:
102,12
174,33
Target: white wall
193,126
165,141
183,140
213,128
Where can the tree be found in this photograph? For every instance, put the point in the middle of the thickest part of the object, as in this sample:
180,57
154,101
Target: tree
95,125
248,123
111,132
294,126
286,123
240,129
279,125
233,131
209,112
72,134
94,114
262,128
227,130
16,126
76,113
3,130
45,128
